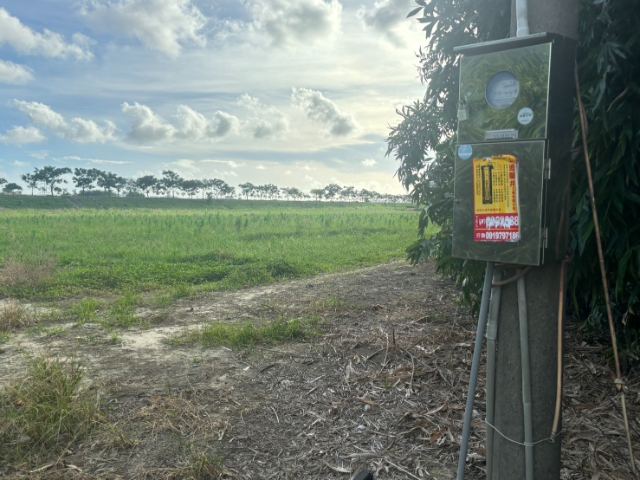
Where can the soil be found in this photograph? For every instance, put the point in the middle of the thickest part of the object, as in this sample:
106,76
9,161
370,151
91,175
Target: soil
382,387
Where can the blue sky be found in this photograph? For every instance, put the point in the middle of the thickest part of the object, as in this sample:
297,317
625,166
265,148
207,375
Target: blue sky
292,92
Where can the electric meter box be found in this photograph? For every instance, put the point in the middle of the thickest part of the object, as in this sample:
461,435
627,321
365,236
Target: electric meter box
512,165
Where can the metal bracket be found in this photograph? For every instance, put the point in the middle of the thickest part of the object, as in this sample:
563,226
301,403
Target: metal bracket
547,169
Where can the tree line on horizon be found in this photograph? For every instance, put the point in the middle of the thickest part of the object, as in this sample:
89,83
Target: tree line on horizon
92,181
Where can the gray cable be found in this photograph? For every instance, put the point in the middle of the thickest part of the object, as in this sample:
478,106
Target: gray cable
526,379
475,368
549,439
492,336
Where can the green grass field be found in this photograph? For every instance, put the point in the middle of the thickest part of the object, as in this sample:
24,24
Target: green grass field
228,244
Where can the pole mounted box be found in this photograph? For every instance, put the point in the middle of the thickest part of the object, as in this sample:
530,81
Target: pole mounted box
513,163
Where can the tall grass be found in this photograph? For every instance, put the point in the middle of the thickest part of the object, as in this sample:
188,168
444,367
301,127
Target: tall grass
46,411
141,250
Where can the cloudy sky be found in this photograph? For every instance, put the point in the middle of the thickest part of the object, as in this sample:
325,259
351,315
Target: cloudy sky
292,92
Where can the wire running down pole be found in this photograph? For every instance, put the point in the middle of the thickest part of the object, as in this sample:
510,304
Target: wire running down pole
475,368
492,337
527,406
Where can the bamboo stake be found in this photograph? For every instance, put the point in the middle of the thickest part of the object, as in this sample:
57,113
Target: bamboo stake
618,382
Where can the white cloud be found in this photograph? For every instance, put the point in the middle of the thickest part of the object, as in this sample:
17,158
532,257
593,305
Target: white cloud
194,125
164,25
40,155
320,109
265,121
48,44
230,163
94,161
18,163
14,74
289,22
78,130
288,172
22,135
149,127
385,16
369,162
185,164
261,167
312,182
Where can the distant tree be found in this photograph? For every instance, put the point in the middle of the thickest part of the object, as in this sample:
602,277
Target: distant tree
160,188
247,189
3,181
106,180
318,193
83,178
208,187
30,181
331,191
226,189
271,191
120,184
146,183
11,188
348,193
191,187
171,181
229,191
131,187
285,192
51,176
296,193
366,195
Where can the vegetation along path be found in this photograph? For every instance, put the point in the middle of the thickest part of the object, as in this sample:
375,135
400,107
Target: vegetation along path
311,378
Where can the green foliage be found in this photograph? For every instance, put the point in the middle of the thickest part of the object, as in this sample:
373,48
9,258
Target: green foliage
85,311
609,66
424,140
122,312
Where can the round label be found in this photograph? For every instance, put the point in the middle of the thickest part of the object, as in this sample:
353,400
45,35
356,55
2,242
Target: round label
465,152
525,116
502,90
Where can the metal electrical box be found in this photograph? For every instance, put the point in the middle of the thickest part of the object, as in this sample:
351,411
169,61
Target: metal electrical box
512,166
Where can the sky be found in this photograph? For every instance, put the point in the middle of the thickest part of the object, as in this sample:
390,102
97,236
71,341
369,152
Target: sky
300,93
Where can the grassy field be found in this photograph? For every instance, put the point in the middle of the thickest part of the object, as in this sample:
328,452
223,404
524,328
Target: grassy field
228,244
28,202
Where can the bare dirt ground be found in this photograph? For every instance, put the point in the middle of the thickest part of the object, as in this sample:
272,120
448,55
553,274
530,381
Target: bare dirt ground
383,387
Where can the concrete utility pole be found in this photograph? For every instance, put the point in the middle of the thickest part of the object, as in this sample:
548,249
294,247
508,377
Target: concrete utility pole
542,291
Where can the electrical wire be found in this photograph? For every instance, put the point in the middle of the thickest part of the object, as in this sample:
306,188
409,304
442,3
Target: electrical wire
556,417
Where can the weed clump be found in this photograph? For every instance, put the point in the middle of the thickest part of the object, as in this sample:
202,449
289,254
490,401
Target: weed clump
47,411
35,273
85,311
248,334
13,315
122,313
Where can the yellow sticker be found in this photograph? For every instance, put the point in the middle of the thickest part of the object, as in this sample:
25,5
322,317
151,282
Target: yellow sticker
495,181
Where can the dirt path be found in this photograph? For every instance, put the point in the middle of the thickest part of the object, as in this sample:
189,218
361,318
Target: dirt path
383,387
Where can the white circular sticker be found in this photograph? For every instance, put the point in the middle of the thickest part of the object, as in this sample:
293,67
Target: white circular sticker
525,116
465,152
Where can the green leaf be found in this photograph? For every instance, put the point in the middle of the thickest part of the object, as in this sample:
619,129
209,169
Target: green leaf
414,12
